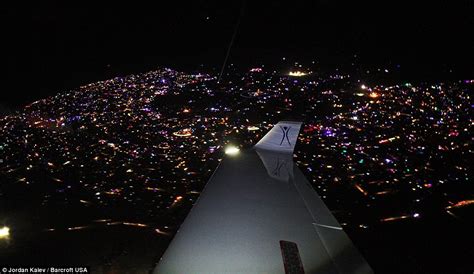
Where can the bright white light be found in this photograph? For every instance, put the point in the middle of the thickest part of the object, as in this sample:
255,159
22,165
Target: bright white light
4,232
296,73
363,87
232,150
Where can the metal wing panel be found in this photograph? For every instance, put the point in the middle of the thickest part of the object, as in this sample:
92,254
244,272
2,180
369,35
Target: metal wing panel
242,216
344,255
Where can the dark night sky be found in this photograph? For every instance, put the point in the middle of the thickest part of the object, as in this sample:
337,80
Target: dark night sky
51,47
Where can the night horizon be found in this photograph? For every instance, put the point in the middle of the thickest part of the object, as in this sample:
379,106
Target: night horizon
60,47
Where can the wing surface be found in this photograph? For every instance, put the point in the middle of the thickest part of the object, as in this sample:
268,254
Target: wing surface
259,214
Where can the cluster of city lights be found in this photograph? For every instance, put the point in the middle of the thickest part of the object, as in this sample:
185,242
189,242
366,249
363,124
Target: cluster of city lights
150,142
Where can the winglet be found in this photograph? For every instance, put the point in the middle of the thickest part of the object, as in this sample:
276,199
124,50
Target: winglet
281,138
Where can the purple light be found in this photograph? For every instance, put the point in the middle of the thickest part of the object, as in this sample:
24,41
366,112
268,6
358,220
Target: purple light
329,133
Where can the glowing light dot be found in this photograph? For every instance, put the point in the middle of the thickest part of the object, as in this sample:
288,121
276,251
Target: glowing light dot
296,73
232,150
373,95
4,232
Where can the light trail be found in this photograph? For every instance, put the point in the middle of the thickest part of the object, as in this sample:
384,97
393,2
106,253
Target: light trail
231,41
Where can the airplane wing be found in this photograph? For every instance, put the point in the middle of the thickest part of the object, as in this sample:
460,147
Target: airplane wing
259,214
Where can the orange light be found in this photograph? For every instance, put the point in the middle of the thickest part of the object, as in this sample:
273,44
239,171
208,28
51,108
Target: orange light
361,189
461,204
389,219
374,95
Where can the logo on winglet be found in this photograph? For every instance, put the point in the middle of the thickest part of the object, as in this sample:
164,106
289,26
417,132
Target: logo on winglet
285,131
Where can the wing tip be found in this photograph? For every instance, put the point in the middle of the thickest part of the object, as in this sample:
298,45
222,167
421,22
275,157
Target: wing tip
282,137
